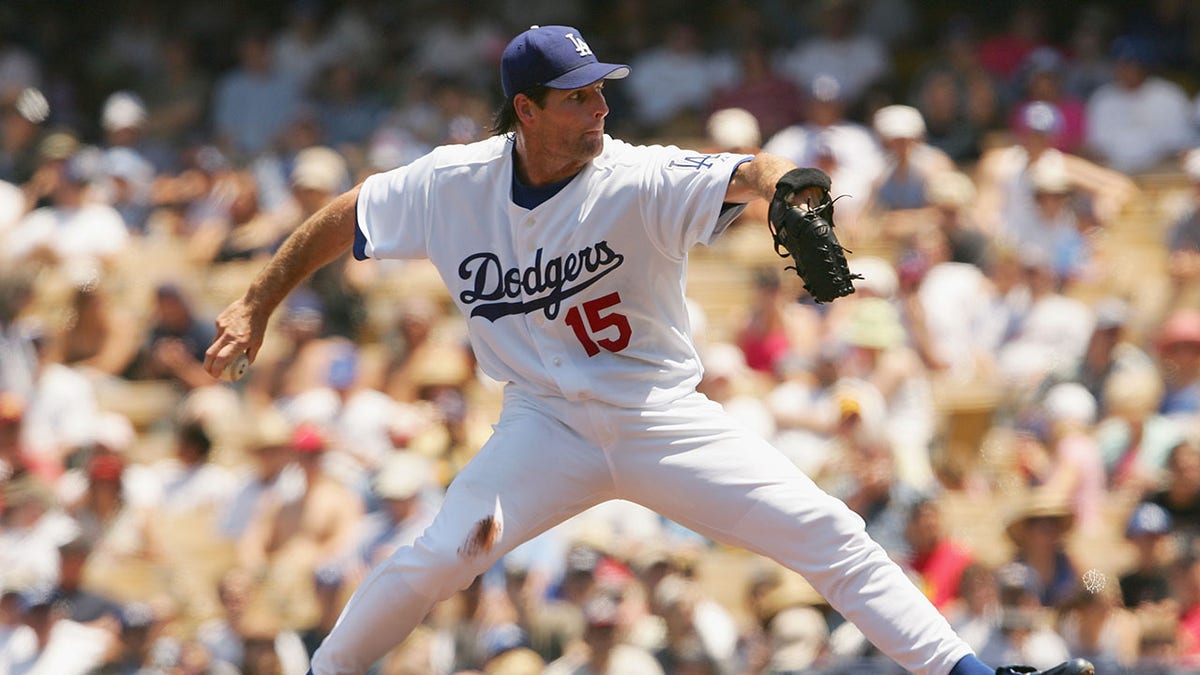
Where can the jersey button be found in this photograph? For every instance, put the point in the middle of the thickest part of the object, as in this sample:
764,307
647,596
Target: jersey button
531,222
557,361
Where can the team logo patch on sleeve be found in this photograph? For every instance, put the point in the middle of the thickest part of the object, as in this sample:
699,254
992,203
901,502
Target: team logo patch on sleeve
694,162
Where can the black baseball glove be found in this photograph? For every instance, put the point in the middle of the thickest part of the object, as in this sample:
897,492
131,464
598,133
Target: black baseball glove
806,235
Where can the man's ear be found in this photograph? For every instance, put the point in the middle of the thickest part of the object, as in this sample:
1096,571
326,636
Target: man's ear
525,108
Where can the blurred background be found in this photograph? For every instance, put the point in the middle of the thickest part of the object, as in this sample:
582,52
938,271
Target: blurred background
1010,400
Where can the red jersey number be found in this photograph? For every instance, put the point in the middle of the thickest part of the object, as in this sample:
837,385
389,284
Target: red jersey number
597,322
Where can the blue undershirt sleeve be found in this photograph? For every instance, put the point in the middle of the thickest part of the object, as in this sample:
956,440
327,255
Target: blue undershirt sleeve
971,665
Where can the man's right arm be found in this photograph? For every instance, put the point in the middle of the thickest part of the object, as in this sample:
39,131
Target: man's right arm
316,242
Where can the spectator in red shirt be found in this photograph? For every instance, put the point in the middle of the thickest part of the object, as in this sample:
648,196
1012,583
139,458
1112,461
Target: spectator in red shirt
776,102
937,560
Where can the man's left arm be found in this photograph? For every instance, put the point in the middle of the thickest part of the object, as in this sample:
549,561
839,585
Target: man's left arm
757,178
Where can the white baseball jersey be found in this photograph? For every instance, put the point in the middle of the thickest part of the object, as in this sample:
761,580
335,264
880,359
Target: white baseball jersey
580,297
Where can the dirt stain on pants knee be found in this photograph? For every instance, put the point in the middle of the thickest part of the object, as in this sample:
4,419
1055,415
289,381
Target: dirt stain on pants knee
481,539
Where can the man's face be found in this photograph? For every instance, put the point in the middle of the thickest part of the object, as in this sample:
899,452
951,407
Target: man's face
570,125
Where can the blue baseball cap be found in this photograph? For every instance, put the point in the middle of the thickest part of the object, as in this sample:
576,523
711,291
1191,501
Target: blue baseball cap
555,57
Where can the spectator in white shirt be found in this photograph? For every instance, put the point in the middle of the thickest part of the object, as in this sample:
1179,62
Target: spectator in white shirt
73,232
1138,120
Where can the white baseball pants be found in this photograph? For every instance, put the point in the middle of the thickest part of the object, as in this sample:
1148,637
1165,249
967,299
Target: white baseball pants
550,459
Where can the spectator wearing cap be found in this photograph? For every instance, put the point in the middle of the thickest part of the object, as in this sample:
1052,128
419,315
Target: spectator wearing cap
961,312
730,381
1008,178
126,182
910,162
1147,582
829,140
1139,120
1041,78
1180,496
1183,236
1178,347
73,231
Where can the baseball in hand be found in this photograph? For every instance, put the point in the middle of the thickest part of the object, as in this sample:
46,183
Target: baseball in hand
236,369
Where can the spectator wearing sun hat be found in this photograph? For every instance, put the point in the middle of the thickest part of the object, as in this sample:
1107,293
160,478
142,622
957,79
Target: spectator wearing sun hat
1038,530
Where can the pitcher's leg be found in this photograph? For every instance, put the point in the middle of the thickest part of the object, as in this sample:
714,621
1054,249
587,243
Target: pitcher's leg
531,475
695,466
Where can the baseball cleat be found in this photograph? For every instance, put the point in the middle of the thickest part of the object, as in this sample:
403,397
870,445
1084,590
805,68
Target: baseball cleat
1072,667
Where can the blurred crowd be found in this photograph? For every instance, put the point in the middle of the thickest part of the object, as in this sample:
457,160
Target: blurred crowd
1011,400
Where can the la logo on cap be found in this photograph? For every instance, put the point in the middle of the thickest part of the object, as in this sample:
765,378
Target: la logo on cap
580,46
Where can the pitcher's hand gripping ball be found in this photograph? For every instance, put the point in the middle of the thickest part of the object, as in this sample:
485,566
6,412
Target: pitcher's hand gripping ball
236,369
806,235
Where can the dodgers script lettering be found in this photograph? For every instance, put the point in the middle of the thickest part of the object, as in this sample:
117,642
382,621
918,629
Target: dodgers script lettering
497,288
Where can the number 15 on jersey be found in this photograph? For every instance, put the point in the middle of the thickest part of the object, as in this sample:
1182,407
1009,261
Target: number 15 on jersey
593,323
